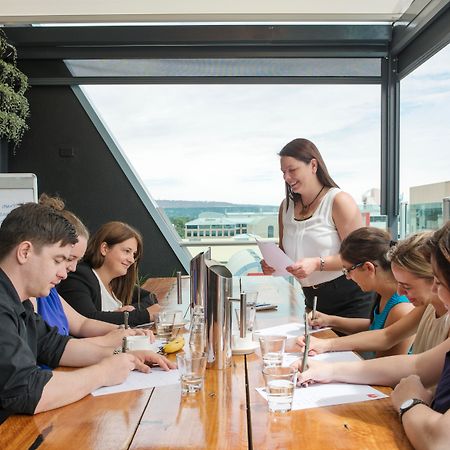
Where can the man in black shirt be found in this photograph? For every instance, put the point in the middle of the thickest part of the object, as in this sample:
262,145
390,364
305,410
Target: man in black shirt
35,244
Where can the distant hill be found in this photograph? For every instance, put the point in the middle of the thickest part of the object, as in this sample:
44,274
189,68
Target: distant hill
190,204
191,209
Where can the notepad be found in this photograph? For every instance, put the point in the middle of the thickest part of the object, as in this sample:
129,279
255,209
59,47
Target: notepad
138,380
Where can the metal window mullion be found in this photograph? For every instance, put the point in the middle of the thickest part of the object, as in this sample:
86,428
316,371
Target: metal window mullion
390,142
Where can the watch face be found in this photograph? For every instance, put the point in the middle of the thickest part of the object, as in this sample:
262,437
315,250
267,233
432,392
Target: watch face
407,403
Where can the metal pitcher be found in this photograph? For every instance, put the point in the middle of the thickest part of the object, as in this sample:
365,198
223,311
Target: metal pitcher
218,317
197,276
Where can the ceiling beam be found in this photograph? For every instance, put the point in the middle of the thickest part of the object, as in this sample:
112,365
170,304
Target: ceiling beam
99,42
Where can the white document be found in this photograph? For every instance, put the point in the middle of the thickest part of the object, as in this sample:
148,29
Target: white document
138,380
317,395
275,257
293,329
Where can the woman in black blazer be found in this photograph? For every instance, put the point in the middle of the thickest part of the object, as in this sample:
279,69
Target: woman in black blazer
104,285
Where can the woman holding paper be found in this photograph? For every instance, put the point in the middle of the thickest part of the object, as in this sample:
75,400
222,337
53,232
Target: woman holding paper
429,426
313,219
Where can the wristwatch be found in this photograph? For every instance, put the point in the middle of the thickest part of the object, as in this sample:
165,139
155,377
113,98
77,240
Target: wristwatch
408,404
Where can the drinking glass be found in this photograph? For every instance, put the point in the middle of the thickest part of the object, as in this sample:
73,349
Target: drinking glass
280,385
272,350
192,371
165,322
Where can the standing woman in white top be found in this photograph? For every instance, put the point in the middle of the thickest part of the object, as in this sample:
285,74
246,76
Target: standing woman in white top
313,219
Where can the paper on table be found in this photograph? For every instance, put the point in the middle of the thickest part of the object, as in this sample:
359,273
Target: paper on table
317,395
138,380
275,257
289,329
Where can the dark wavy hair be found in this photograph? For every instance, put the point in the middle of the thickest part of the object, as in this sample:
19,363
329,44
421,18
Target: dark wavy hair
304,150
113,233
367,244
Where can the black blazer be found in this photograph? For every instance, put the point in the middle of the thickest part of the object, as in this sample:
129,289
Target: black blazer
81,289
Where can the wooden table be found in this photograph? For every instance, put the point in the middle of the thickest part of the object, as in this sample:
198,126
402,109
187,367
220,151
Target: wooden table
227,414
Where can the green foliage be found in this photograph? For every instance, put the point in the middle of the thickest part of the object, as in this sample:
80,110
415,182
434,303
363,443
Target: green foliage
14,107
178,223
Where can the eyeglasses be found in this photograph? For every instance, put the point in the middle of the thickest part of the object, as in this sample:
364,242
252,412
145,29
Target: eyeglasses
346,271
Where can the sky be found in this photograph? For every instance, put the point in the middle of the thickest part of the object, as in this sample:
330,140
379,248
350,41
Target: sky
220,142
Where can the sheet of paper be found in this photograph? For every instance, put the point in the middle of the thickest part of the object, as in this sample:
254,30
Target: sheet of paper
317,395
138,380
293,329
275,257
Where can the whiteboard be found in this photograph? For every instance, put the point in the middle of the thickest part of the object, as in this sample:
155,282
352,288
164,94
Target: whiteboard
15,189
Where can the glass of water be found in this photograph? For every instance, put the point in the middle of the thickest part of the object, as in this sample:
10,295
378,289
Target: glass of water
272,350
192,371
280,385
166,322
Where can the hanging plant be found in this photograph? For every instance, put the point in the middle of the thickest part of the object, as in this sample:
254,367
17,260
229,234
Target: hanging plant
14,107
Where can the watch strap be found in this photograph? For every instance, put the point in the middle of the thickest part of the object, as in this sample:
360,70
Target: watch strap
415,402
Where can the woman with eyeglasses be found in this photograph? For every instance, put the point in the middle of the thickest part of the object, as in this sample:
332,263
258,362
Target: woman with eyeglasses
428,427
313,219
364,255
429,320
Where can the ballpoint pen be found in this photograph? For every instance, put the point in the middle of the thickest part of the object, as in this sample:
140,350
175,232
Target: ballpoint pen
125,319
306,349
314,308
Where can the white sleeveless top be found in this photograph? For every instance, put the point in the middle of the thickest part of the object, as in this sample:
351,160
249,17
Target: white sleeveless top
313,237
109,302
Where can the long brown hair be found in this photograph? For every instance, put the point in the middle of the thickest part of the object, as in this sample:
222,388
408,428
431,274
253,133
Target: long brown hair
304,150
113,233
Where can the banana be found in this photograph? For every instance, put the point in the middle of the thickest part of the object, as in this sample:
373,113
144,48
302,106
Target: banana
174,345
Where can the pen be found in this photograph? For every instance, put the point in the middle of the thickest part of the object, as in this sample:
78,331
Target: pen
314,307
125,319
306,349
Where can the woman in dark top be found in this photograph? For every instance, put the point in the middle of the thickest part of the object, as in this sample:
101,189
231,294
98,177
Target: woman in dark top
103,286
429,426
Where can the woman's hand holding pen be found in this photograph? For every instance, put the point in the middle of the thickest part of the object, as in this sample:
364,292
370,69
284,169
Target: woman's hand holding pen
317,372
267,270
316,345
303,267
320,320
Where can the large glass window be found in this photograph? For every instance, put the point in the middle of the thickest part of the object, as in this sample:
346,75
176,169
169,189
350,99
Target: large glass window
212,149
425,137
